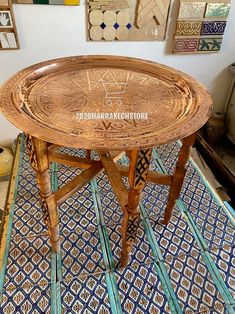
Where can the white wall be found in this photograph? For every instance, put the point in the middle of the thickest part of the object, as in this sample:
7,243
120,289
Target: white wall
47,32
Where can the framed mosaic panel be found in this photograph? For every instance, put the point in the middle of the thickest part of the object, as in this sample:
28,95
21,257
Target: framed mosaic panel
200,26
127,20
8,32
58,2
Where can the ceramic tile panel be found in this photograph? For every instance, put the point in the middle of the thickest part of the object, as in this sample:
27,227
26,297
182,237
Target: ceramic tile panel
56,2
192,10
210,44
186,44
31,300
193,284
200,26
213,28
224,259
141,290
81,254
127,20
214,10
188,28
29,262
86,295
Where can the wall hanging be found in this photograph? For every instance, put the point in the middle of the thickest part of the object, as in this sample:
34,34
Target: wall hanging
200,26
8,33
143,20
63,2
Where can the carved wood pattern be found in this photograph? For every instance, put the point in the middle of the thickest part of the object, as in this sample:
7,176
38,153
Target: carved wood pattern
31,151
38,157
43,99
46,216
142,167
138,172
132,227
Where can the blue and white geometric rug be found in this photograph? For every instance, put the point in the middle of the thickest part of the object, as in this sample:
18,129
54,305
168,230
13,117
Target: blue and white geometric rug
187,266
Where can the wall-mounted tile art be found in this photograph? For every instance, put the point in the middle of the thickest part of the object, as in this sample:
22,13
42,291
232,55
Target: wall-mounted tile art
8,33
127,20
63,2
200,26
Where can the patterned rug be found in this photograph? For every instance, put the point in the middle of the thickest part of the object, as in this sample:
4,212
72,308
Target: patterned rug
187,266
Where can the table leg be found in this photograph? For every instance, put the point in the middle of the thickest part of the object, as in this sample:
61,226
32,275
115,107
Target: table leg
37,151
179,175
138,170
88,153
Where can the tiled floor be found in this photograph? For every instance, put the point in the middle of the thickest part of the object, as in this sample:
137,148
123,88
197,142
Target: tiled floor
187,266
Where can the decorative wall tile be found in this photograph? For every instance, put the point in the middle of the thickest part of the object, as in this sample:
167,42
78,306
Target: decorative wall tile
5,19
210,44
213,28
127,20
217,10
193,284
146,295
86,294
96,17
188,28
110,17
196,276
57,2
192,10
108,5
123,17
186,44
109,25
224,259
197,22
96,33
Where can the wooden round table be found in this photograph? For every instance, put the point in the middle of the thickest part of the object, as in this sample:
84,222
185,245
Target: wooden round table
111,105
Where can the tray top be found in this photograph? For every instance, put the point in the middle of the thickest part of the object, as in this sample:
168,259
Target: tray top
65,101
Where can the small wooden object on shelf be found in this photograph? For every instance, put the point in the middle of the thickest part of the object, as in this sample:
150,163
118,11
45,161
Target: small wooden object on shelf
8,33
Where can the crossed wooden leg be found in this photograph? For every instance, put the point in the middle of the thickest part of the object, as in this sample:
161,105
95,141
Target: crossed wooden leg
37,151
138,171
179,174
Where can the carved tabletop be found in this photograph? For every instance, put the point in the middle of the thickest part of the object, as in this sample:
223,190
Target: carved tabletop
45,101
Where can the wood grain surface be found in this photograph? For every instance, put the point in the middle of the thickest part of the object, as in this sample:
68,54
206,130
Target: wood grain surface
43,100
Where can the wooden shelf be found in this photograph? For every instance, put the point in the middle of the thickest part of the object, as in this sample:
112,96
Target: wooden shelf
6,29
11,29
9,48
